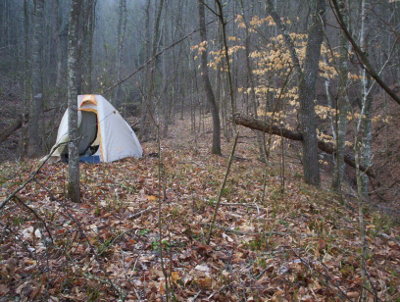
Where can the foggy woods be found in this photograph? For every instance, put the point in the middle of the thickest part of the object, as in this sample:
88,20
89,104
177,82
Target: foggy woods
199,150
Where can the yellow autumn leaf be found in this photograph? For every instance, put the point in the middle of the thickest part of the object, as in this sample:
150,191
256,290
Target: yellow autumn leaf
175,277
151,197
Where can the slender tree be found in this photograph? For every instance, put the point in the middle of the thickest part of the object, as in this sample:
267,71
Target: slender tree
73,152
216,143
121,30
251,81
342,107
365,127
148,106
36,105
88,27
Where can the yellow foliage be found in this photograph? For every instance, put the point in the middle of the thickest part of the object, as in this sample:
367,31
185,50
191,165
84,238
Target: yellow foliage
324,112
325,137
201,47
240,21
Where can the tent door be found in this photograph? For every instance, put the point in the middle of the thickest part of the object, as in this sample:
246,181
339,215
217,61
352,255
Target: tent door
87,131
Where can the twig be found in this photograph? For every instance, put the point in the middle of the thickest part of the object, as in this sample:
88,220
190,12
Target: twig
152,59
328,278
227,60
36,215
237,232
117,289
138,214
361,55
222,187
161,192
194,297
234,204
93,277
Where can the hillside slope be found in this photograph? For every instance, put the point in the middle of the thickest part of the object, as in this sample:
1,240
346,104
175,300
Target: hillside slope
300,245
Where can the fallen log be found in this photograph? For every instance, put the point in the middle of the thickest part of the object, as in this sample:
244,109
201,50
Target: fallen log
18,123
271,128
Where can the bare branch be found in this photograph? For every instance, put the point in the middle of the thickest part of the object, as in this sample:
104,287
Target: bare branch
361,55
31,178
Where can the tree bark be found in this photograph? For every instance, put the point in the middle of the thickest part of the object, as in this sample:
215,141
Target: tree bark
364,129
307,81
148,106
216,143
88,26
307,96
226,53
121,30
73,152
342,107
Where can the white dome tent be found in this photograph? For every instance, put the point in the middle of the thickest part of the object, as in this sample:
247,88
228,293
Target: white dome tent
104,134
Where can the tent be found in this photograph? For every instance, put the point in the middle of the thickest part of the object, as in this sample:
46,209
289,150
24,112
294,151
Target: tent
104,134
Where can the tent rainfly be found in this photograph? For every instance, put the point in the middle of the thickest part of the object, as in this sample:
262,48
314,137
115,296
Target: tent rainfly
104,134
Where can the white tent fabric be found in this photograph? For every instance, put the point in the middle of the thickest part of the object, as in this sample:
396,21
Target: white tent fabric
115,137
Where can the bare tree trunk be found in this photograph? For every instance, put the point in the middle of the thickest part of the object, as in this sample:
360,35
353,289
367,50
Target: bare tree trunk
307,95
27,66
59,49
24,139
363,149
122,20
89,25
342,107
363,56
148,106
216,143
62,49
259,134
366,127
307,82
36,106
226,53
73,152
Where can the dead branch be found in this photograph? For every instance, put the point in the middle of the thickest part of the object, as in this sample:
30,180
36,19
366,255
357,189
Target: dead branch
138,214
18,123
361,55
32,177
121,293
23,204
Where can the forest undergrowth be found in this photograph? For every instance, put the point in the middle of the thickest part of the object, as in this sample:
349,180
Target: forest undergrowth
268,244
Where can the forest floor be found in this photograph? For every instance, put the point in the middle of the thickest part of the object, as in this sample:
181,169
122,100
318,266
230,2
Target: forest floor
302,244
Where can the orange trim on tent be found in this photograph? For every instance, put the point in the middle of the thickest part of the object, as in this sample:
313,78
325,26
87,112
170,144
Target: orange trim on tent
89,98
88,110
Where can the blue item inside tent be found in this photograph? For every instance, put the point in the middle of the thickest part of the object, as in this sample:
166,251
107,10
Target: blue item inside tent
94,159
